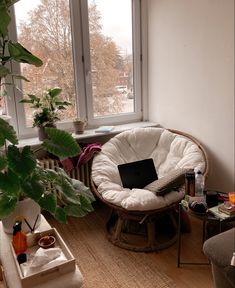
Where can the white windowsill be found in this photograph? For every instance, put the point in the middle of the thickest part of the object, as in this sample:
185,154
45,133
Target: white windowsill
90,133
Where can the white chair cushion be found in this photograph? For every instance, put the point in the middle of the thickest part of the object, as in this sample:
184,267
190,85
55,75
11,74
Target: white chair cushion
169,151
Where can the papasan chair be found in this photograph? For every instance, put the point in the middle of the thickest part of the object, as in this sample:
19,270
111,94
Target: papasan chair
139,215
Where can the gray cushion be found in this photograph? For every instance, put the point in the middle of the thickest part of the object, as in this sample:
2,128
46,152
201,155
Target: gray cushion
219,249
163,185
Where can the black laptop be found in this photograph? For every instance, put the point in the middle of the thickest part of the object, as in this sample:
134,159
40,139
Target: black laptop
137,174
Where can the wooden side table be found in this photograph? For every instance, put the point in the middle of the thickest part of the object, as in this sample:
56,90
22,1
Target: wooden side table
10,276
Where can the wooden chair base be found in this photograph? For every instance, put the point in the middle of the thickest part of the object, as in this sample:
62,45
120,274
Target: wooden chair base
140,231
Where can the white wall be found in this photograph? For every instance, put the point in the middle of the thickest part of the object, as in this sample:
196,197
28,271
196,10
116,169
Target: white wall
191,76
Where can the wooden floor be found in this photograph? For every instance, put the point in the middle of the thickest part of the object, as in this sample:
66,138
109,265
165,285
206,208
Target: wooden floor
187,276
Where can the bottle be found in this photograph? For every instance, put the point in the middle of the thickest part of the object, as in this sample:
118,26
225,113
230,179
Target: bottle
199,184
190,183
19,240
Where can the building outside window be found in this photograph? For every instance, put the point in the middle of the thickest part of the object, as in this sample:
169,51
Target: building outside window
90,49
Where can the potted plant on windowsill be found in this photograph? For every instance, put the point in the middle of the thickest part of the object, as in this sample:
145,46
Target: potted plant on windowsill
47,107
79,125
21,177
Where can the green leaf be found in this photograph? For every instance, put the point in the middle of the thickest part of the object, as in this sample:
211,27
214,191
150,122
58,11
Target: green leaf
75,211
5,20
67,192
60,143
81,189
3,162
66,103
22,55
7,133
22,162
86,204
4,71
7,204
50,174
60,215
26,101
54,92
5,59
48,202
33,187
9,184
20,77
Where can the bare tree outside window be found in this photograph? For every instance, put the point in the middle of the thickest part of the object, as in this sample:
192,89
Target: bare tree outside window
46,31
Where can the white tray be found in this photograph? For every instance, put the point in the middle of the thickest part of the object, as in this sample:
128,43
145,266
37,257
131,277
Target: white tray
47,274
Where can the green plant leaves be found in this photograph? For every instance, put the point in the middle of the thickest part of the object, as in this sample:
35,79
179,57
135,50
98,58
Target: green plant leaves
22,55
5,20
7,133
3,162
60,215
7,204
48,202
22,162
9,184
33,187
54,92
60,143
4,71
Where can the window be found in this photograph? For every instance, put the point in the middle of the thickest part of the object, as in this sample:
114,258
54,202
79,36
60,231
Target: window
90,49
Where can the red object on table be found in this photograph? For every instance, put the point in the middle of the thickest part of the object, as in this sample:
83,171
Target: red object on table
19,240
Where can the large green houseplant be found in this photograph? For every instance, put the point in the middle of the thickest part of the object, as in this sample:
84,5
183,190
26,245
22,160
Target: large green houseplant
21,176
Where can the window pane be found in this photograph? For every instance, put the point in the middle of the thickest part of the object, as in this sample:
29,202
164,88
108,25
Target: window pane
43,27
110,32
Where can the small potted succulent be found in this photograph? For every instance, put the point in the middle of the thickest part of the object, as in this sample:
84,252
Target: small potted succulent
79,125
47,107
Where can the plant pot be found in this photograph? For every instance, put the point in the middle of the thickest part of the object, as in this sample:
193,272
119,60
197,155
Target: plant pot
79,126
42,135
27,209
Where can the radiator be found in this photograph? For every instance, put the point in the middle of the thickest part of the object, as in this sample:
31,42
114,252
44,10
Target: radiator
81,173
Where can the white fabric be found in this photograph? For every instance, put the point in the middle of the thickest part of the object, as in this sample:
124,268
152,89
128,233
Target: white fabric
168,150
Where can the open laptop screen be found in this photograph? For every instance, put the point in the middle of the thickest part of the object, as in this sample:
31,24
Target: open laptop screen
137,174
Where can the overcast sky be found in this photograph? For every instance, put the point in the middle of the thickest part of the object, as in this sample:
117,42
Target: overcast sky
116,20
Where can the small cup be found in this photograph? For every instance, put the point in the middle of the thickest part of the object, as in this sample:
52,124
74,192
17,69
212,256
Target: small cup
231,196
47,241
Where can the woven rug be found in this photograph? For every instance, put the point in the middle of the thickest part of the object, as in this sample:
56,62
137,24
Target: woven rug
104,265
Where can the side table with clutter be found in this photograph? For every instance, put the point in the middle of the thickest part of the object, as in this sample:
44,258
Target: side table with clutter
215,209
37,259
212,219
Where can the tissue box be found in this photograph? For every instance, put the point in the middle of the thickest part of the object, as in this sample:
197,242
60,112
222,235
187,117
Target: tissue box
46,274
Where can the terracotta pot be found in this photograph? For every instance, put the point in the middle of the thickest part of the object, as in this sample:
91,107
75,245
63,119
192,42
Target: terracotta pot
79,126
42,135
27,209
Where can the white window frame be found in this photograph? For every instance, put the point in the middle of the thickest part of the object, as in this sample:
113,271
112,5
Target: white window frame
82,74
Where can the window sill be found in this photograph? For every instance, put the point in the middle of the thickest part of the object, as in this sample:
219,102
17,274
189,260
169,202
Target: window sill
90,133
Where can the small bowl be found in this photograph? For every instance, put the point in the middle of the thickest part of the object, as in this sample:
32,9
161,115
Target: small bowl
47,241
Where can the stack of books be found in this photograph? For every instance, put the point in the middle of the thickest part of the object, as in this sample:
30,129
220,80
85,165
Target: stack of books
229,210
